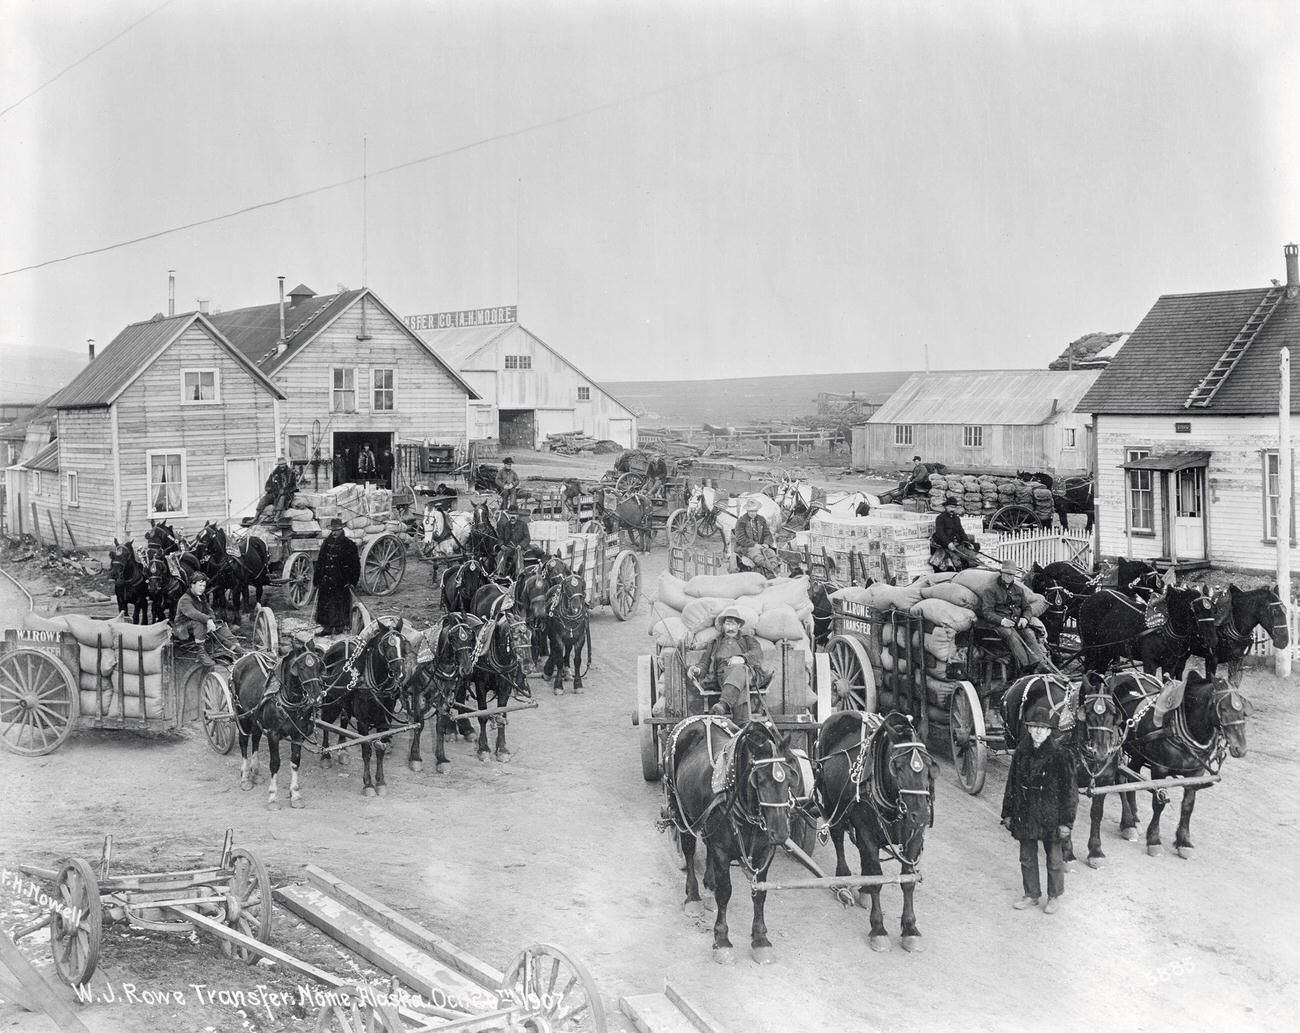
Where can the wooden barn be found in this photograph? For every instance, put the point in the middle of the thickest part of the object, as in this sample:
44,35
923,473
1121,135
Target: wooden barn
352,374
1000,421
1186,419
171,422
527,389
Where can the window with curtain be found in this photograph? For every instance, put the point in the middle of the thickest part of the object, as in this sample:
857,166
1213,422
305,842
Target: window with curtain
344,396
199,385
167,482
1141,493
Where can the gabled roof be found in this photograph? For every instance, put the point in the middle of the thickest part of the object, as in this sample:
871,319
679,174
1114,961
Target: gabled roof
255,331
1177,344
461,344
46,460
132,352
998,397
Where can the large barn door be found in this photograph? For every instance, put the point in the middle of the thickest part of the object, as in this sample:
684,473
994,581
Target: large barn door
517,429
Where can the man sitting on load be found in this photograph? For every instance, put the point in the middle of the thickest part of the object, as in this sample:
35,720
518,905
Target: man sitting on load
1005,607
752,539
195,619
281,487
732,665
918,482
952,547
507,483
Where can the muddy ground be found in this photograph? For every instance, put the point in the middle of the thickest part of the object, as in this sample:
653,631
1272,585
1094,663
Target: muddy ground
559,845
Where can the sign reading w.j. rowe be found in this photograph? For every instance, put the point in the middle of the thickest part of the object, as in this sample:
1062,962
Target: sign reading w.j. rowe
468,317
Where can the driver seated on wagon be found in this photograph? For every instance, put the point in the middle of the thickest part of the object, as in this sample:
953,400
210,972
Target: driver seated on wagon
951,547
732,665
1004,607
195,621
752,539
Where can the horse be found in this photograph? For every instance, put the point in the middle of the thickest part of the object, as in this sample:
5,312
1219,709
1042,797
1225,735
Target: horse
1137,579
1064,585
504,644
1073,495
130,584
483,539
365,677
1204,719
1160,634
531,591
876,779
568,630
746,820
162,537
460,584
286,713
1237,614
163,588
443,666
248,566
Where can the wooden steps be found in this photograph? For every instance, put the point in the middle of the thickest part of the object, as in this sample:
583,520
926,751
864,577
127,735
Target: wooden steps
668,1012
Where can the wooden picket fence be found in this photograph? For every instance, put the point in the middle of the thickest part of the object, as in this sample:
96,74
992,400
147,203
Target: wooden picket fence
1025,548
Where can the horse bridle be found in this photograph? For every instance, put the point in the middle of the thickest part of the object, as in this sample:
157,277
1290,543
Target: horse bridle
1098,703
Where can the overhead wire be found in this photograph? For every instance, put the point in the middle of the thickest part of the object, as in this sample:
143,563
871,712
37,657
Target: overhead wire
460,149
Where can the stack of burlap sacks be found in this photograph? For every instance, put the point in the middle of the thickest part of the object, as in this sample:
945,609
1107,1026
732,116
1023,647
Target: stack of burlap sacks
109,689
986,493
778,610
949,604
365,513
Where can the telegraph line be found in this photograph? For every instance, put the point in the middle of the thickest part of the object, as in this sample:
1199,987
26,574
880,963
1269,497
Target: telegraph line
508,134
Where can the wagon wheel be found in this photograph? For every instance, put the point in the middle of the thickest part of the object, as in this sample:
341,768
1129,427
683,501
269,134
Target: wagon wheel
681,528
629,482
76,923
1013,518
646,696
358,615
624,585
553,990
853,681
38,702
215,699
299,587
970,752
355,1009
266,631
248,904
383,562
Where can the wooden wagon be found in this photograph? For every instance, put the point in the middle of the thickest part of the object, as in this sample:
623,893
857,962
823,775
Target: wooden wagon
383,564
612,573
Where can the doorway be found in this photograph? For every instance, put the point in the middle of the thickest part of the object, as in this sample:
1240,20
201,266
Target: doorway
516,428
348,446
1189,513
243,487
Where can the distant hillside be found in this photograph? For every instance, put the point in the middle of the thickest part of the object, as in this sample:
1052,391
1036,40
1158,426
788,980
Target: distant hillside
745,400
30,374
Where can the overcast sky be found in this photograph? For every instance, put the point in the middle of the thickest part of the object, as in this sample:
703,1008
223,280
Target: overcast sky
693,189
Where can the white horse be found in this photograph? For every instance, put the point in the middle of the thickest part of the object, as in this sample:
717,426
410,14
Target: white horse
794,495
704,499
445,534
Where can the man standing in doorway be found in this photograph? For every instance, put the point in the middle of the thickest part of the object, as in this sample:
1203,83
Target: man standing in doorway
366,466
386,468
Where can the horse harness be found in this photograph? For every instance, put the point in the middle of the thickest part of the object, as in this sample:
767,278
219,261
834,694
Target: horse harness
1210,754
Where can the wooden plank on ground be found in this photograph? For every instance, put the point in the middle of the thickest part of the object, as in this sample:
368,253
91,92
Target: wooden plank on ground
399,925
426,975
48,998
654,1013
702,1020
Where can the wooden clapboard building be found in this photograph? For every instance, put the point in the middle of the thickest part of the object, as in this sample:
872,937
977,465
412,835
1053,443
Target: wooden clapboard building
526,390
171,422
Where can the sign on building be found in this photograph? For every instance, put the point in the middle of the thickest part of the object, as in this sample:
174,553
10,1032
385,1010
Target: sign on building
466,317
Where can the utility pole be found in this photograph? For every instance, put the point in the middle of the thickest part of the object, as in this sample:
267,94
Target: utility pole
1282,657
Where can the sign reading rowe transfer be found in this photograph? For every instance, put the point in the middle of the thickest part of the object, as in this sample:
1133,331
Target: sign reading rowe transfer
469,317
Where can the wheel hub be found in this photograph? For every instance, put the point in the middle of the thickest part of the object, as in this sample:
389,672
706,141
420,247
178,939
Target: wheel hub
29,700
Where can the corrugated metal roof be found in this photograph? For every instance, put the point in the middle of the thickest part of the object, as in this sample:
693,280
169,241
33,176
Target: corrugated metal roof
17,430
47,459
988,397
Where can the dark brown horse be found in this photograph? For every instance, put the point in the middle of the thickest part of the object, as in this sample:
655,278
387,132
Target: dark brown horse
460,584
443,668
568,631
286,713
746,821
129,580
233,569
1162,632
1193,738
1237,614
875,780
504,646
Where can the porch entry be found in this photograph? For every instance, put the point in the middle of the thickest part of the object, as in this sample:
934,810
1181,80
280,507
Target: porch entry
1184,525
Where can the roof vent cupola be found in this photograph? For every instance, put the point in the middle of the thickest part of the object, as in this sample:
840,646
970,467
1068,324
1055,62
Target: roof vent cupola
300,294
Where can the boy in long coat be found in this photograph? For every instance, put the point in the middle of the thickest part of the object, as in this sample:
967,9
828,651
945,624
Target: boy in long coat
1039,806
338,569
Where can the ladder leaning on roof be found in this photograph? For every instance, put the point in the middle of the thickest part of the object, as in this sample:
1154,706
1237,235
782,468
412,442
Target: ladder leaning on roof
1205,391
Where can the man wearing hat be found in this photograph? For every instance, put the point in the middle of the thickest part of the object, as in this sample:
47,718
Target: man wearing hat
195,620
507,483
1005,607
731,664
281,487
338,569
366,466
753,539
1039,806
918,482
952,547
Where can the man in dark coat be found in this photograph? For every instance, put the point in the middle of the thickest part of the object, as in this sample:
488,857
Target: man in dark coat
513,536
1039,806
953,547
918,482
338,569
1005,607
732,664
507,483
753,539
366,464
281,486
385,468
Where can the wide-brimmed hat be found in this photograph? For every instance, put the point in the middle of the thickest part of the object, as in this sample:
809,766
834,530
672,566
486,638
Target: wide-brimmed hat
916,459
336,524
733,612
951,501
752,505
1039,713
507,461
1009,567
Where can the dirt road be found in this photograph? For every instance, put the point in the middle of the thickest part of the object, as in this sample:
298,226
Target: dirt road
559,845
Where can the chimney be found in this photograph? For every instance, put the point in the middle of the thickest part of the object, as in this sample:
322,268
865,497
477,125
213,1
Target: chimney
203,304
90,347
1292,265
281,345
171,292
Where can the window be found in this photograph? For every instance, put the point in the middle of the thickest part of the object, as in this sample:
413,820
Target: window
584,394
384,393
1270,499
1069,437
519,362
36,482
902,434
166,483
297,448
344,383
972,437
200,385
74,490
1141,498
